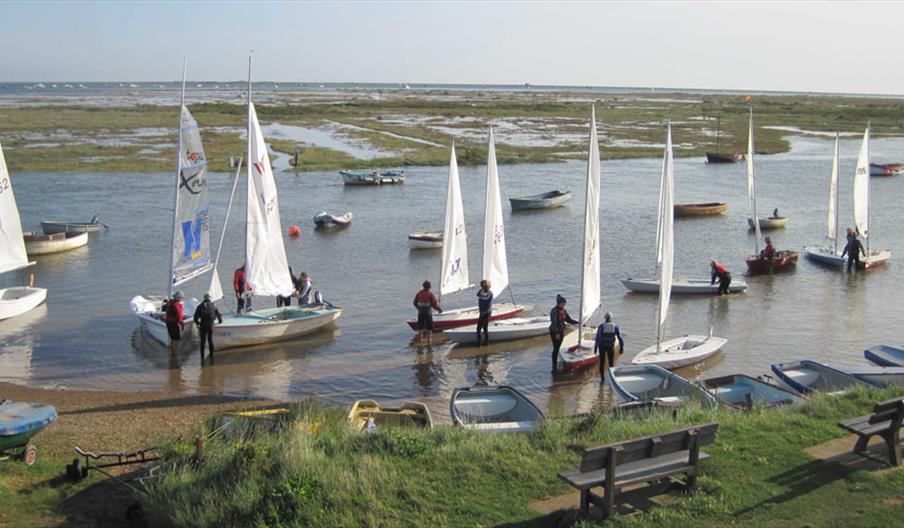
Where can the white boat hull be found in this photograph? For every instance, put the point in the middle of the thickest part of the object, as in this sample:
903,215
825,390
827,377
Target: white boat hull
502,330
683,286
769,223
147,310
827,256
425,240
18,300
271,324
325,220
47,244
468,316
680,351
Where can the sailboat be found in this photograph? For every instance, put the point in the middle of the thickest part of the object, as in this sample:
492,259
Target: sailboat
454,270
780,260
18,299
190,234
830,255
689,349
266,265
578,352
495,268
722,157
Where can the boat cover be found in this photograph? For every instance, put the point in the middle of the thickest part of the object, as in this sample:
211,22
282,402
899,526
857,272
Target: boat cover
21,417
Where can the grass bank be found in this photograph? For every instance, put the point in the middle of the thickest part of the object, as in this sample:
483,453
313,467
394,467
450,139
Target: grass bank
759,473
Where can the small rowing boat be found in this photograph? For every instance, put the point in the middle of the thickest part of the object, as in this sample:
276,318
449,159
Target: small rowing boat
425,239
885,355
809,376
772,222
724,157
700,209
743,392
496,409
780,261
656,384
408,414
36,244
540,201
372,177
879,376
56,226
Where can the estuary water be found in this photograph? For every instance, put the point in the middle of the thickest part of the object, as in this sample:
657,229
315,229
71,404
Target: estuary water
85,337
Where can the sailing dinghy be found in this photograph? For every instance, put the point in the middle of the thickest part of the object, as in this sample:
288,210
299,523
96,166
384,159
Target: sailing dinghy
780,260
266,266
578,347
689,349
190,235
829,255
19,299
454,270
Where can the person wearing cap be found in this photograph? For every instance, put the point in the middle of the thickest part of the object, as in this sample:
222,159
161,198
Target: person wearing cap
484,310
558,318
718,271
606,335
768,251
204,317
426,302
175,319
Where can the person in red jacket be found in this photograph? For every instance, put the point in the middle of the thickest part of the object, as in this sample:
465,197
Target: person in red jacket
425,302
720,272
175,320
240,287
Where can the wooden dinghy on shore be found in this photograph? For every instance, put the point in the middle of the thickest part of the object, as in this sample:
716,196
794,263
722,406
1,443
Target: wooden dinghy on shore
408,414
700,209
36,244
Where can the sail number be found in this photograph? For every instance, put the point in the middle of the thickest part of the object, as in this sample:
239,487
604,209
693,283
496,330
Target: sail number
4,185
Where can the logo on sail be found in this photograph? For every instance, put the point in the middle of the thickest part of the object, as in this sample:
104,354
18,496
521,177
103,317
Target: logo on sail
192,232
259,165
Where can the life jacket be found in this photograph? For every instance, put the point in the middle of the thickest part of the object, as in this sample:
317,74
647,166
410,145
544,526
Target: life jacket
607,333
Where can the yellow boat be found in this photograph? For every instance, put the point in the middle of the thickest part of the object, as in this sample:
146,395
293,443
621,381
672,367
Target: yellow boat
408,414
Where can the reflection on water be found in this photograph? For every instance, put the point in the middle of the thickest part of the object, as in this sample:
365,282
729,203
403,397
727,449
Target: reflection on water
84,337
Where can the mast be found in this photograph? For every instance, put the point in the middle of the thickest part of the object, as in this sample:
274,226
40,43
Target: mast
833,188
248,163
665,256
751,186
718,131
172,271
866,234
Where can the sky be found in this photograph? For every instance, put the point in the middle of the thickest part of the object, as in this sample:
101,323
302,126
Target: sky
846,47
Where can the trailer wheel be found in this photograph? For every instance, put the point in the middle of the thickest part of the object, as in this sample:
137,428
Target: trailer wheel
31,454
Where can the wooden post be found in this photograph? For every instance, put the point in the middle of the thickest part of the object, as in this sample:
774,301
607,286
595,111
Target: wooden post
297,154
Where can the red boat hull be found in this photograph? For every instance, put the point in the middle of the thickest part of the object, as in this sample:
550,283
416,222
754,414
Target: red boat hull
439,324
782,261
583,363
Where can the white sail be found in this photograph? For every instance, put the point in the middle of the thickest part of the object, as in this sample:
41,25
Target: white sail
751,185
266,266
495,264
861,188
454,274
666,248
191,237
216,289
12,246
590,267
832,220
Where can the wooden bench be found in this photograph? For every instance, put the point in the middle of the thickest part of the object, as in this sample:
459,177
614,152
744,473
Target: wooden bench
884,421
650,460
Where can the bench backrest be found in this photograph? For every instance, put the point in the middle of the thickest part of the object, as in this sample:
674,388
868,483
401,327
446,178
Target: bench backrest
888,410
649,446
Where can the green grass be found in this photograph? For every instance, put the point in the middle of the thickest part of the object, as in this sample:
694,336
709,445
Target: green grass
758,474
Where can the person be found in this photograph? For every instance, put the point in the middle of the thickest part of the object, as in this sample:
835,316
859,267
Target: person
239,285
286,300
204,316
425,302
775,213
175,320
305,289
484,310
606,335
558,317
853,249
720,272
768,252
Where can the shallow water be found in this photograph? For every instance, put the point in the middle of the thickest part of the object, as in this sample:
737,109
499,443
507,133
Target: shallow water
85,337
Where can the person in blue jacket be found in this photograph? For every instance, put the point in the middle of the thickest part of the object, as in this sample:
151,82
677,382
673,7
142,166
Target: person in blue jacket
606,335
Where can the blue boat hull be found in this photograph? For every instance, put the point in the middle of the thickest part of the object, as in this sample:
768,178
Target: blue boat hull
885,356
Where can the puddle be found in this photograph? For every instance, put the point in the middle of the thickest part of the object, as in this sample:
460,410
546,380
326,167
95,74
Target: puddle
322,138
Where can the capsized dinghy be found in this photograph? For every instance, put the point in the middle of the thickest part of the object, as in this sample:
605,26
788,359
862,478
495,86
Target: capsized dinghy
808,376
653,383
497,409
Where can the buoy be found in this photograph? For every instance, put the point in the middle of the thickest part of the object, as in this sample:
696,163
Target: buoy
294,230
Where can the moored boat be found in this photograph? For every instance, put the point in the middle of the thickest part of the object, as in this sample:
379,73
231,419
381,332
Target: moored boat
540,201
724,157
680,351
408,414
683,286
809,376
700,209
781,261
350,177
885,355
497,409
325,220
425,239
36,244
772,222
59,226
886,169
879,376
642,383
743,392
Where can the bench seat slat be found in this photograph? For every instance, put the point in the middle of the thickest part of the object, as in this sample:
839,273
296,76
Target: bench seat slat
633,472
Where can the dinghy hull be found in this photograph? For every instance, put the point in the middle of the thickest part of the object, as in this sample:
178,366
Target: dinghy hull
468,316
885,355
272,324
683,286
510,329
680,351
19,300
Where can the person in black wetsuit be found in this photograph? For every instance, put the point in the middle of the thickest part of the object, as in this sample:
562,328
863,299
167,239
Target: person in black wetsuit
485,310
558,317
204,317
853,249
606,335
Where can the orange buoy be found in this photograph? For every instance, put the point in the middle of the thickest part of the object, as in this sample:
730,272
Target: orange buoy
294,230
